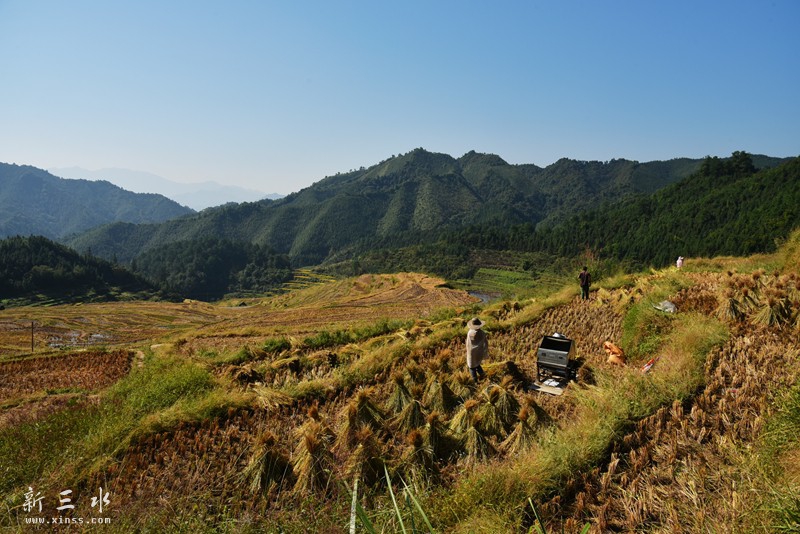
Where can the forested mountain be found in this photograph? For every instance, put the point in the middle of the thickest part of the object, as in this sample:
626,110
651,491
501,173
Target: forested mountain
418,193
34,202
727,207
34,269
37,268
208,268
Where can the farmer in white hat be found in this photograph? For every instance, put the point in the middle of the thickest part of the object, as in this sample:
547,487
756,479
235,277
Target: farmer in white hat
477,348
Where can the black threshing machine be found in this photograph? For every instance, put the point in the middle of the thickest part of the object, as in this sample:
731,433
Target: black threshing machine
556,358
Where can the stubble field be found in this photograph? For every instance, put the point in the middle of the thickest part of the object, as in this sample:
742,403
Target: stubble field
263,414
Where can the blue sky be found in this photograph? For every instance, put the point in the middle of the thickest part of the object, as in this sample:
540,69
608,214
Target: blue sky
277,95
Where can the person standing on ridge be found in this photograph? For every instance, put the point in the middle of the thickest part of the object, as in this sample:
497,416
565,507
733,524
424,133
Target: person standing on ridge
477,348
586,280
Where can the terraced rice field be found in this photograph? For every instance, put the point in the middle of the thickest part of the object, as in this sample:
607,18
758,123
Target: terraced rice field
296,425
416,394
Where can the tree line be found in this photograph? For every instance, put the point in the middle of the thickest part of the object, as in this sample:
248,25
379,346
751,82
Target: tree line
204,269
37,265
209,268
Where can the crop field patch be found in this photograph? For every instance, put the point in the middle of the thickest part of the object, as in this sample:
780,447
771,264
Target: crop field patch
335,305
429,388
81,371
106,324
35,387
686,450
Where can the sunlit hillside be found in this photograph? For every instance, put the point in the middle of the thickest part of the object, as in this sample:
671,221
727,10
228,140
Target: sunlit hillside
346,403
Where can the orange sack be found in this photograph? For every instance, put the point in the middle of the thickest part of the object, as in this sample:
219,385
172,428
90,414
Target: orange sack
615,354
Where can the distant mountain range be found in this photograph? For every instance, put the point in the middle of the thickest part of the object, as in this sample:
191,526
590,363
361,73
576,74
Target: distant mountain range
34,202
419,211
410,194
197,196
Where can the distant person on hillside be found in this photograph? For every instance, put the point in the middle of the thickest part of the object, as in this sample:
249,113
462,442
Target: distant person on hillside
477,348
679,263
586,280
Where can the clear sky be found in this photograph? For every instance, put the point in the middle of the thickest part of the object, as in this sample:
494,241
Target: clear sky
275,95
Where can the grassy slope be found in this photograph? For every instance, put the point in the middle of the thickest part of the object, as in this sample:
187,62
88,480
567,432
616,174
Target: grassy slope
186,411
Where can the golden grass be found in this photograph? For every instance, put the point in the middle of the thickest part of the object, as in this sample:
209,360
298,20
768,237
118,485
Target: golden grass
603,411
204,431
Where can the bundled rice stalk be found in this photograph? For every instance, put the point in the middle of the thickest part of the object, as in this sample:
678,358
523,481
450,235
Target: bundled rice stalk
444,360
313,461
411,417
437,439
415,373
464,417
368,412
418,461
461,384
439,396
489,421
773,312
731,309
400,396
749,299
786,310
366,461
757,282
268,466
476,446
360,411
523,435
506,403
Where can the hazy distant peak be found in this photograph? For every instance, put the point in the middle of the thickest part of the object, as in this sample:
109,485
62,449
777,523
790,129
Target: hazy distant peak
197,196
36,202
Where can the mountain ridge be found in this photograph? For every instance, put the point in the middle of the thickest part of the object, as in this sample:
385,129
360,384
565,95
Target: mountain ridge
35,202
419,191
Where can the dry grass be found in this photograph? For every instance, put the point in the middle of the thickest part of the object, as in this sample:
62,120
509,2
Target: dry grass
267,434
78,371
34,388
690,467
